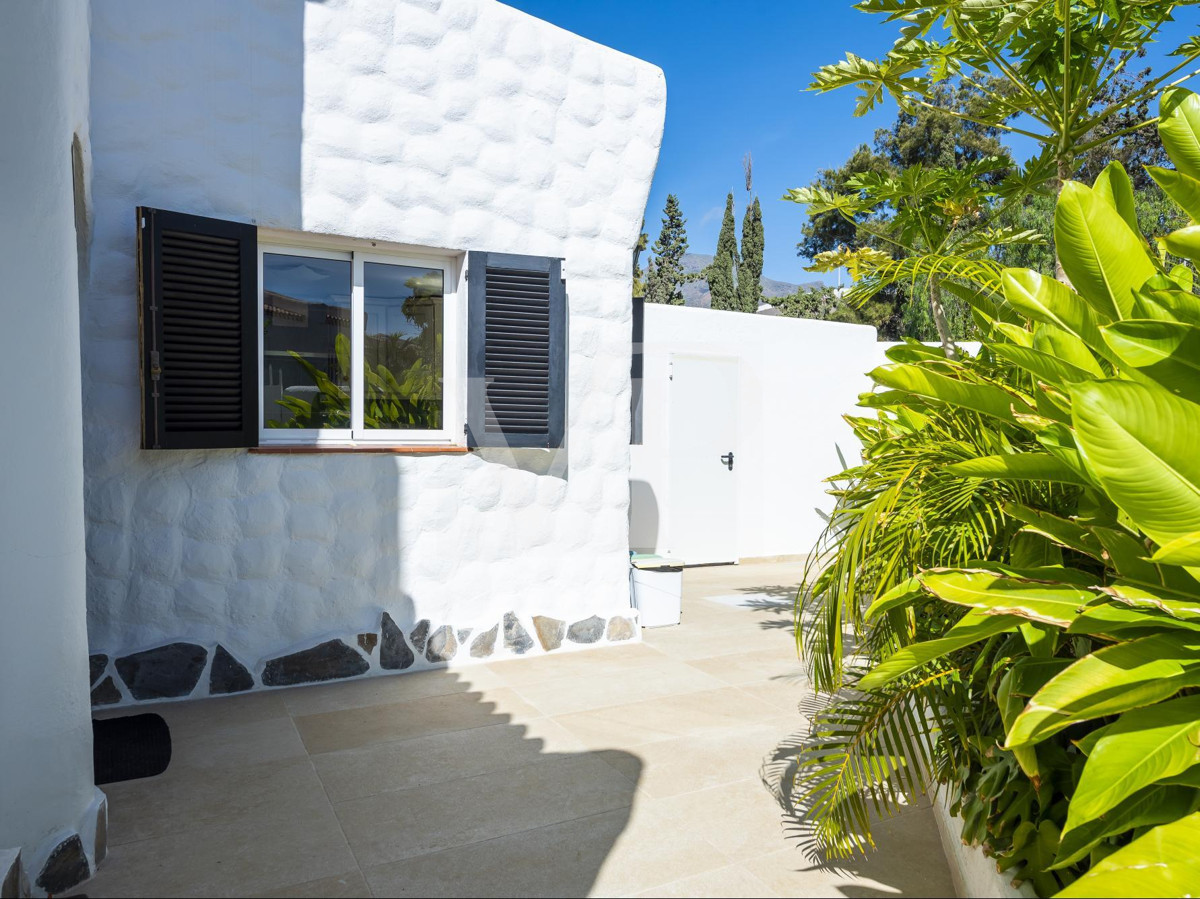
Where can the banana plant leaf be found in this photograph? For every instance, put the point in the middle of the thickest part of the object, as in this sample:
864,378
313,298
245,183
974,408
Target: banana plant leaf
1141,444
1044,366
1110,681
1183,189
1179,129
1140,748
984,398
1044,299
1032,600
1018,467
1146,808
1114,187
1161,862
1167,352
1062,531
1105,259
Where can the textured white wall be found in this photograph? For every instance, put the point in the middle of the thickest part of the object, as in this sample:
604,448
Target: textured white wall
461,124
46,736
797,379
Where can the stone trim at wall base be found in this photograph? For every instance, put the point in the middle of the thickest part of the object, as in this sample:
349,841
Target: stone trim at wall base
188,670
62,862
974,874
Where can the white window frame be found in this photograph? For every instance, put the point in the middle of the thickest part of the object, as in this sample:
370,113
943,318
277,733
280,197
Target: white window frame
453,351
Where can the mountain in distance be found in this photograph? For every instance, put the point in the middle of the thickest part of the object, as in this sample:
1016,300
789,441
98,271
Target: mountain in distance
696,293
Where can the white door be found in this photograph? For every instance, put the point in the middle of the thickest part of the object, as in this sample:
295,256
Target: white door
702,513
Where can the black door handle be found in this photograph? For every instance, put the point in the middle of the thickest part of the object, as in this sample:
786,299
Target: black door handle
728,460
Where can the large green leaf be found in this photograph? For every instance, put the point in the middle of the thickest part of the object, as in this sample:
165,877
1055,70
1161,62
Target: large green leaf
1167,352
1179,129
1145,808
974,627
1185,242
1018,467
1109,681
1141,444
1179,605
1162,862
922,381
1104,258
1140,748
1183,189
1065,346
1061,530
1043,601
1180,551
1042,365
1044,299
1114,187
1166,301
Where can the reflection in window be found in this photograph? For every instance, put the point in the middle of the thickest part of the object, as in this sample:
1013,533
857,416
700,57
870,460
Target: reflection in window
403,346
306,342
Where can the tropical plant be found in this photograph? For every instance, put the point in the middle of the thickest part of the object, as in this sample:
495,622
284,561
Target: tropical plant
414,400
1017,561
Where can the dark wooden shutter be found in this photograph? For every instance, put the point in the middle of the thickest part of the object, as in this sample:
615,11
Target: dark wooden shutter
198,280
517,346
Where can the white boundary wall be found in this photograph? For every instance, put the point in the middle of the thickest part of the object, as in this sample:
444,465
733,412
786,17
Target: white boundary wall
798,377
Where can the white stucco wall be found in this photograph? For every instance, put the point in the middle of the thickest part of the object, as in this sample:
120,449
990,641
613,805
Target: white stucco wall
797,378
461,124
45,738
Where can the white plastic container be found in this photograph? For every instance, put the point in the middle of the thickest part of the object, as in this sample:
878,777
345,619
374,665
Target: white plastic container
657,594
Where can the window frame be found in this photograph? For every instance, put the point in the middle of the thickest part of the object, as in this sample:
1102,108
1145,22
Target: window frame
360,252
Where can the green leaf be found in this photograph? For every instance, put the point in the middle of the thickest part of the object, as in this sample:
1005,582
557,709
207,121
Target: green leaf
1065,346
899,596
1105,260
1140,748
1109,681
1043,299
1114,187
1179,129
973,628
1018,467
1183,550
1044,601
1043,366
1145,808
1152,865
1185,242
1141,444
1061,530
1167,352
985,398
1183,189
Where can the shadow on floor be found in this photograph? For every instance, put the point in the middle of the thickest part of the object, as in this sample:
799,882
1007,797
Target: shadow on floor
414,785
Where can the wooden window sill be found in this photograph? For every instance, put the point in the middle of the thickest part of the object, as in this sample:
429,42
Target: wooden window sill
411,450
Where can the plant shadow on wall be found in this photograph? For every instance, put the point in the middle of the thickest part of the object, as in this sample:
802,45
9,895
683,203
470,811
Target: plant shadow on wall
1008,603
425,783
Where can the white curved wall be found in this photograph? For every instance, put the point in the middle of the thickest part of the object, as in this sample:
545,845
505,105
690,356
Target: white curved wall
46,738
461,124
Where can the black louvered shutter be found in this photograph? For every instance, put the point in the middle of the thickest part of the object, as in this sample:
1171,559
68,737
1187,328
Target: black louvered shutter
198,279
517,346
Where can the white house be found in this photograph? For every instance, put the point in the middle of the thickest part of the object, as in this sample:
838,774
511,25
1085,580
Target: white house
320,335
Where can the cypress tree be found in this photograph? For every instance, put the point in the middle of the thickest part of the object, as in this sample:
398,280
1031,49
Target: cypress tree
665,276
750,270
721,273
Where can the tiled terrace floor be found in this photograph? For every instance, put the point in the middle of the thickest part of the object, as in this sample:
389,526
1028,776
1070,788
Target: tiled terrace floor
644,769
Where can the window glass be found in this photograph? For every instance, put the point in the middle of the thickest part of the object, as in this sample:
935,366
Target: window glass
402,350
306,342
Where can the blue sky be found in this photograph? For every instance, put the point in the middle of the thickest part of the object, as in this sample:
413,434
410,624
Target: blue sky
736,73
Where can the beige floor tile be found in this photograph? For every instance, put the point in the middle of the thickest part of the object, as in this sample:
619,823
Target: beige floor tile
586,692
231,859
235,745
693,641
755,668
700,713
391,826
608,854
354,727
742,819
184,799
588,662
732,881
789,694
355,773
387,689
347,886
685,764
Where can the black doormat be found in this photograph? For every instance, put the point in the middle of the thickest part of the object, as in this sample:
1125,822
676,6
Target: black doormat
130,747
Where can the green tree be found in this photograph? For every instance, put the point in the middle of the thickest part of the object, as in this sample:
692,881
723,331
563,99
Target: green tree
1043,70
722,271
639,275
665,276
751,266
